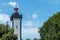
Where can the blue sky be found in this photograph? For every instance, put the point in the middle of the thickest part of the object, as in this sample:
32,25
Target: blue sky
35,13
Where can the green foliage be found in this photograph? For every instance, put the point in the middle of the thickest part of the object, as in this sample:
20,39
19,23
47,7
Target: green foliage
51,28
7,33
35,39
27,39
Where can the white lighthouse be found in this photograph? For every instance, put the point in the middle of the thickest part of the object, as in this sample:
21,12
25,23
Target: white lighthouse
16,19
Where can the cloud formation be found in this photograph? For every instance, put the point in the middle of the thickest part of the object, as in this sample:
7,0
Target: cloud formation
30,32
34,16
31,24
13,4
4,18
28,23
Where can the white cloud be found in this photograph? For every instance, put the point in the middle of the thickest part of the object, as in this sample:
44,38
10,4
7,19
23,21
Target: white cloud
31,24
0,10
30,33
12,4
34,16
4,18
28,23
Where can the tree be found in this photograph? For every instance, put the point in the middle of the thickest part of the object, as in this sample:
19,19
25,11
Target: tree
51,28
35,39
7,33
27,39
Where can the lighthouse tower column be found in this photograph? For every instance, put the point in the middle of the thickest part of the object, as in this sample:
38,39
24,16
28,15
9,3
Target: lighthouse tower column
16,19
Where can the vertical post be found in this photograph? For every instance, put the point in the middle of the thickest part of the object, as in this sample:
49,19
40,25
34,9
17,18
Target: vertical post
12,24
20,29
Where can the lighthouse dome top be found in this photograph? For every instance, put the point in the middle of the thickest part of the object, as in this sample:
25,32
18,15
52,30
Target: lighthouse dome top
16,14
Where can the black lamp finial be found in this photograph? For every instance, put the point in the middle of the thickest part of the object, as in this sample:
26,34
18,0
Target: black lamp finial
16,9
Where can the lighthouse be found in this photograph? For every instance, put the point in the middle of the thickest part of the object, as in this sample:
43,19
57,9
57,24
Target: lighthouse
16,20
